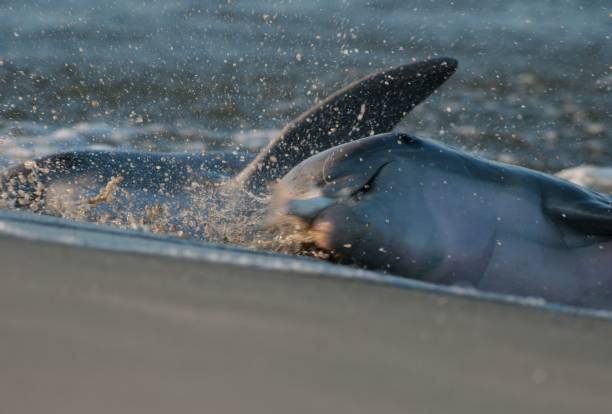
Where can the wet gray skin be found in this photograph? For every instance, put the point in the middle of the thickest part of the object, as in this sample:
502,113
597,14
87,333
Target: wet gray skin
419,209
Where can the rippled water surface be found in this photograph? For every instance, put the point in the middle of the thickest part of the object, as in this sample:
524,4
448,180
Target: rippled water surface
533,85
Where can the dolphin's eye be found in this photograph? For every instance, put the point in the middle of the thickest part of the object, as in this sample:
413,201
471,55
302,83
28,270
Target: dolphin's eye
367,186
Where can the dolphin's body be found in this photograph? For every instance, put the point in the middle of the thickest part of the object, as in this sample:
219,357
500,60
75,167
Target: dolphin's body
390,202
423,210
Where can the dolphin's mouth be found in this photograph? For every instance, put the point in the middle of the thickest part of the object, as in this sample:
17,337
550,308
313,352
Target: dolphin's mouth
292,225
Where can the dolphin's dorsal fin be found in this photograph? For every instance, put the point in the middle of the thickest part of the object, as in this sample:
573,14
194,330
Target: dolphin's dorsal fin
372,105
585,211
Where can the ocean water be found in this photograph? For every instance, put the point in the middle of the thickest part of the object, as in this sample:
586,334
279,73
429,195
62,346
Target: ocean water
533,85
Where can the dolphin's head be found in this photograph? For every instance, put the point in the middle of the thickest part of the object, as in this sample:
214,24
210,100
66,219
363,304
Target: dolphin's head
343,196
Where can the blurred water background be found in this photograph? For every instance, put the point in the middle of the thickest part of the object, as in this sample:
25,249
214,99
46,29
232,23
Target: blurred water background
533,85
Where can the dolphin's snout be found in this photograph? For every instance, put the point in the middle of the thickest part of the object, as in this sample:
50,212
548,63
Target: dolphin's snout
308,208
299,220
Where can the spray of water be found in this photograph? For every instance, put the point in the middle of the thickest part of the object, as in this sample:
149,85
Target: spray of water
219,212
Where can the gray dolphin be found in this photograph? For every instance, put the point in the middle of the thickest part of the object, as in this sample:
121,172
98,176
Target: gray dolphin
423,210
373,104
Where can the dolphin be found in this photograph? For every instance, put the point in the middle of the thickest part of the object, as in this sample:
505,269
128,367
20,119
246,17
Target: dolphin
419,209
371,105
